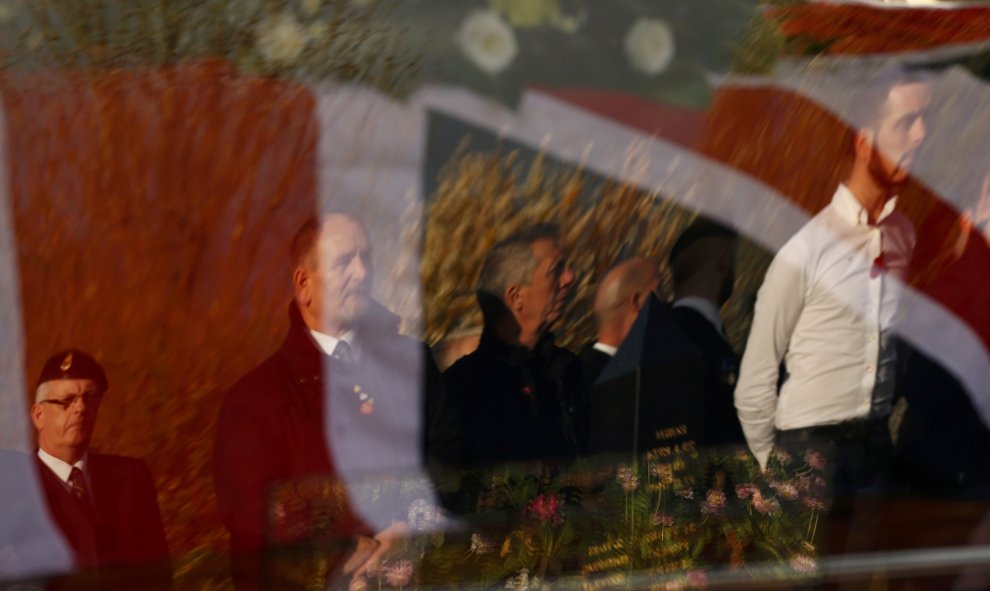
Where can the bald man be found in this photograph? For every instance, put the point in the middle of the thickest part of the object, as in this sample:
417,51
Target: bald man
622,293
340,401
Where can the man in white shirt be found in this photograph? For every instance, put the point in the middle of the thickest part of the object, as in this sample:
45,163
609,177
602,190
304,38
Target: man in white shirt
828,302
620,296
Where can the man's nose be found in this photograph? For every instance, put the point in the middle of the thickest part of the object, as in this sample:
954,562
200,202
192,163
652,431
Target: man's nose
79,404
359,269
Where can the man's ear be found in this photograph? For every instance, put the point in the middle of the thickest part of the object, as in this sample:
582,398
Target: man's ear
301,283
513,297
863,143
36,411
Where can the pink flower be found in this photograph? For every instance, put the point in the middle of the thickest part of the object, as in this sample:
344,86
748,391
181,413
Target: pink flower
545,508
714,502
627,478
685,493
813,503
376,569
662,472
784,489
817,486
399,574
697,579
766,506
782,456
803,563
663,519
744,491
815,459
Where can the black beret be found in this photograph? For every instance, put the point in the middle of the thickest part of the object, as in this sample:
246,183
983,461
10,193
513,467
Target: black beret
702,228
73,364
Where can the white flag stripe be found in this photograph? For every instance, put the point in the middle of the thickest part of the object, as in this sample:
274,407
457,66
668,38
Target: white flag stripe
902,4
369,163
30,543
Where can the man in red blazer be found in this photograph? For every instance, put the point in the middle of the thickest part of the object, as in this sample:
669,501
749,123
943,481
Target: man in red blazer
106,506
338,403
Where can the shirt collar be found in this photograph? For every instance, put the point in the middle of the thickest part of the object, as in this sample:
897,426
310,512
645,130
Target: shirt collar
61,468
609,350
707,309
327,343
845,202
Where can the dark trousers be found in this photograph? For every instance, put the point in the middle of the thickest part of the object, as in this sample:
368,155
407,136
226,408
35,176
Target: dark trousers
859,455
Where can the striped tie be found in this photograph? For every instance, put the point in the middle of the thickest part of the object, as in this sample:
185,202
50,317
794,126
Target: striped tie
77,484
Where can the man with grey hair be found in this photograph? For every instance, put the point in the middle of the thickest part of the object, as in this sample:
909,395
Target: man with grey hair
518,397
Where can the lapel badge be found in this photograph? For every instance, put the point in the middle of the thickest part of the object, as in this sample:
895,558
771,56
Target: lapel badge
367,402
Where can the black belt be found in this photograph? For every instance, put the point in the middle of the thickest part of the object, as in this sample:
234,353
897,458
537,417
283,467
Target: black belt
845,431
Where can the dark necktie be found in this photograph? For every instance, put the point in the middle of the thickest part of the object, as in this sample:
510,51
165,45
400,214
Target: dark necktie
343,354
344,377
77,484
342,367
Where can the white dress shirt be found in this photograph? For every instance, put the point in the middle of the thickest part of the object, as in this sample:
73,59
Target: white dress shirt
825,308
63,469
609,350
328,344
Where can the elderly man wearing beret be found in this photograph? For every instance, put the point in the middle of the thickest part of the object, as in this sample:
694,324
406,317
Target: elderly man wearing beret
106,506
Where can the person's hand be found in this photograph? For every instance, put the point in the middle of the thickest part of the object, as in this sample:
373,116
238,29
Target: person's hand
388,542
365,547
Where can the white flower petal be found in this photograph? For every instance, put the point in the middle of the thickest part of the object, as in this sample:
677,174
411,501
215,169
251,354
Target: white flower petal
280,39
649,46
488,41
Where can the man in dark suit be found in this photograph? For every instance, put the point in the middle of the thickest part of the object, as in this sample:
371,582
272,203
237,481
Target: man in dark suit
339,402
518,397
105,505
702,262
621,294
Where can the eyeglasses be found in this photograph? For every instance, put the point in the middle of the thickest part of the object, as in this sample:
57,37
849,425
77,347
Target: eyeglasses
67,402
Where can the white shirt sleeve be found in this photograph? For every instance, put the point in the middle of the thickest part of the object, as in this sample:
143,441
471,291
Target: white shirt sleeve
778,306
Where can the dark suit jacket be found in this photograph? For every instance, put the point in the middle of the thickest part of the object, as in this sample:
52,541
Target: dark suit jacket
942,444
593,362
123,525
504,404
721,424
